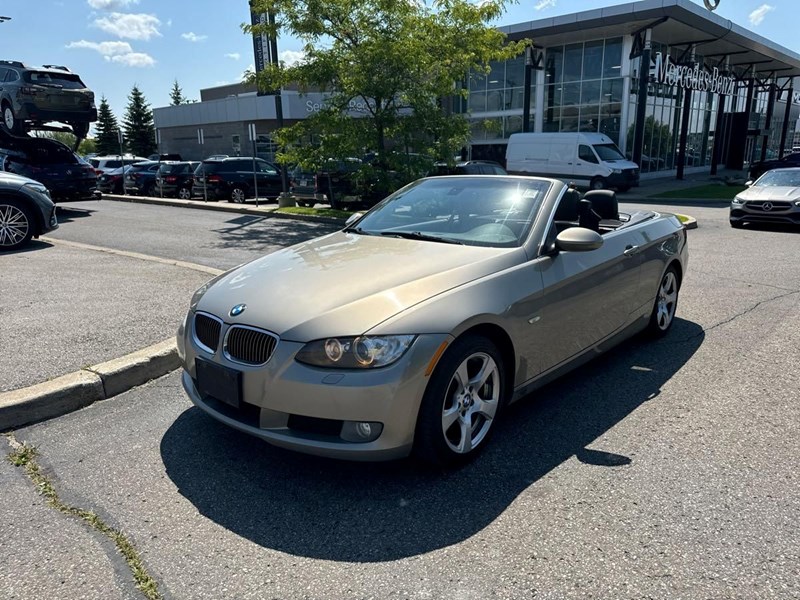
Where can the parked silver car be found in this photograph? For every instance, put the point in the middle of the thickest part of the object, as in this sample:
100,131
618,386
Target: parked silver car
26,211
772,198
411,329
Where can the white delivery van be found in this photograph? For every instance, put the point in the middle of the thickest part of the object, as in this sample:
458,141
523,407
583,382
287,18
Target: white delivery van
587,159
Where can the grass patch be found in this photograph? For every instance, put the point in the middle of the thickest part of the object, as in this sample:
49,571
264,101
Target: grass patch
682,218
24,456
315,212
704,192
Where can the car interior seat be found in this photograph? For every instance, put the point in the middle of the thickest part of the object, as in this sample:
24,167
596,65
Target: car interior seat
604,203
567,212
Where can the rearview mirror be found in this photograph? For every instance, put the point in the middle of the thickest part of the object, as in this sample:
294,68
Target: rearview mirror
578,239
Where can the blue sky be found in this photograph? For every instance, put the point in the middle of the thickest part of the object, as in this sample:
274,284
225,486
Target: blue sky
116,43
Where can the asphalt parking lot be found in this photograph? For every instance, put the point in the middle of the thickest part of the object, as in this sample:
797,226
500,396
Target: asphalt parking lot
660,470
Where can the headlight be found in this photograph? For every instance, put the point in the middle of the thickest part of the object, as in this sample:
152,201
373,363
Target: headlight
797,202
737,200
616,171
38,187
362,352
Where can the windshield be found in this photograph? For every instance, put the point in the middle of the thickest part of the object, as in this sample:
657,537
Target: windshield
476,211
608,152
62,80
779,179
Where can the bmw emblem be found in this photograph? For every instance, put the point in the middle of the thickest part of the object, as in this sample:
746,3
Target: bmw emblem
238,309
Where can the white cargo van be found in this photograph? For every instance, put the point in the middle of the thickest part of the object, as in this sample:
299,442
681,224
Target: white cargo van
588,159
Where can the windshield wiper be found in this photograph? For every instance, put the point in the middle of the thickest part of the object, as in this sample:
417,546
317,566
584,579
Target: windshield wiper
357,230
417,235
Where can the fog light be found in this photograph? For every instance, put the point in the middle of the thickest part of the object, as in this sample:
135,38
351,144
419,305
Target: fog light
360,431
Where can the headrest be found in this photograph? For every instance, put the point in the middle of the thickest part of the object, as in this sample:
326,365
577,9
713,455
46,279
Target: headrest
604,203
568,206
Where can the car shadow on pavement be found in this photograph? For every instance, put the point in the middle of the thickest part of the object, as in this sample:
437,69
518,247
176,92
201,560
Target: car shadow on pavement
65,214
269,231
370,512
33,246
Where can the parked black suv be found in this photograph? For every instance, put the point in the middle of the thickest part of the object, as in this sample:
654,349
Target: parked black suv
64,173
759,168
232,179
37,95
175,179
140,179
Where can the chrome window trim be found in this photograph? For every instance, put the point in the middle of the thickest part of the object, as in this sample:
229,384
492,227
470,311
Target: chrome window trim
196,340
256,329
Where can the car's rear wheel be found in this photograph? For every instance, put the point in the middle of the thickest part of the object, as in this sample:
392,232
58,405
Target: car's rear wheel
665,305
9,119
16,224
238,195
80,129
185,193
461,403
150,190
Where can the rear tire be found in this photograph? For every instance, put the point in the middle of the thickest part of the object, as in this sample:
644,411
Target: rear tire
461,403
185,193
665,305
238,195
16,224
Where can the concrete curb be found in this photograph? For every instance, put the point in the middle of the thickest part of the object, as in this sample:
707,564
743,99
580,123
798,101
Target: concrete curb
261,211
689,223
80,389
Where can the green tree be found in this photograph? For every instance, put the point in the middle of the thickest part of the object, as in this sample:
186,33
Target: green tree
87,146
106,130
394,64
138,124
176,95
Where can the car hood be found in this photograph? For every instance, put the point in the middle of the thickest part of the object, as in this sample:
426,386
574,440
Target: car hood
770,193
16,181
346,284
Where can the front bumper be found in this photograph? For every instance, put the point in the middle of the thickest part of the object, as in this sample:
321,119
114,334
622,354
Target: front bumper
627,178
283,393
756,212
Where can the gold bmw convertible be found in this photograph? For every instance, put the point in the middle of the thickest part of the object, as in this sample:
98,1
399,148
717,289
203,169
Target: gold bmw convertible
410,330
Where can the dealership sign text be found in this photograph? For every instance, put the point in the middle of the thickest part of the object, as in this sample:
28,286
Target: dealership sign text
695,78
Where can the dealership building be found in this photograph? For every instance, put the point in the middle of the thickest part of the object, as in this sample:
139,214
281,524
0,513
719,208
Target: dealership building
715,94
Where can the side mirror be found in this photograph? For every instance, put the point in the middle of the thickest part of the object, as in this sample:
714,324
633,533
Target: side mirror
578,239
353,218
748,183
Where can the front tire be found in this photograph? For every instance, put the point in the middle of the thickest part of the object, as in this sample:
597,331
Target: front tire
461,403
16,224
665,305
597,184
238,195
9,119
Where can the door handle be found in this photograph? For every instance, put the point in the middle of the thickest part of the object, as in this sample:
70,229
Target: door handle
631,250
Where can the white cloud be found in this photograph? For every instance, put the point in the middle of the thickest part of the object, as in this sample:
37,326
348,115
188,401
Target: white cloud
542,4
193,37
291,57
104,48
233,55
133,59
130,25
110,4
758,14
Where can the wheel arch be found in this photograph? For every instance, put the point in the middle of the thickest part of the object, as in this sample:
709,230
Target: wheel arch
38,220
505,345
676,264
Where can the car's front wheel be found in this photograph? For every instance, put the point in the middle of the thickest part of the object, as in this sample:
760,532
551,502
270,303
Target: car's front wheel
16,224
238,195
598,183
9,119
461,403
665,305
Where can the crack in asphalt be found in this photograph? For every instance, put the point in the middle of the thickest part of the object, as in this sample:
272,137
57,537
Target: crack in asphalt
23,455
736,316
766,285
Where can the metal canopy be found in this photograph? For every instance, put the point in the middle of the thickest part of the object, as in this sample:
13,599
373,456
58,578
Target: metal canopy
686,24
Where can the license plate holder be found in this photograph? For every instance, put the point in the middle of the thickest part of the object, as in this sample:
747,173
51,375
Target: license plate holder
219,382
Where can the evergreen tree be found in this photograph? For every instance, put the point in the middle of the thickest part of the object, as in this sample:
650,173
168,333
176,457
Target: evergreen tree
176,95
138,124
106,130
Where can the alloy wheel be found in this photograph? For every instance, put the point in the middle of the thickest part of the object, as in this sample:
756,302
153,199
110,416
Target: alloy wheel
667,300
471,402
184,193
8,118
14,225
238,195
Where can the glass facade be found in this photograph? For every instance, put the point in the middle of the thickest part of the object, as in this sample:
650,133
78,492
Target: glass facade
584,87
